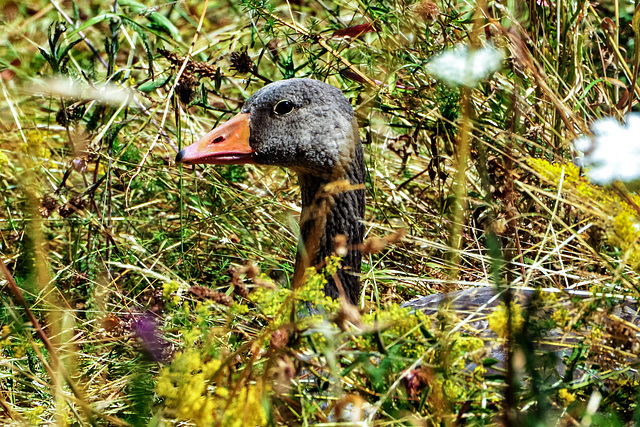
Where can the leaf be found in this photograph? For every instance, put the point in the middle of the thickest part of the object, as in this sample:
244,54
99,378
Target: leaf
67,48
635,21
144,37
151,85
45,54
93,21
490,361
354,31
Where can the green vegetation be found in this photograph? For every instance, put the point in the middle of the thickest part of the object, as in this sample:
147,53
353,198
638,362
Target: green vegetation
140,292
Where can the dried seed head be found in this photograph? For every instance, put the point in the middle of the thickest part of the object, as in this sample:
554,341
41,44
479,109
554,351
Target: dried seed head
373,245
252,270
240,290
427,10
72,113
273,46
66,211
203,292
186,88
241,62
203,69
259,281
416,380
347,315
48,205
396,236
354,31
222,299
78,202
349,409
79,164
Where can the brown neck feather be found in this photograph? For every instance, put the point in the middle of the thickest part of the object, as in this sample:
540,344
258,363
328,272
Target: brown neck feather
331,208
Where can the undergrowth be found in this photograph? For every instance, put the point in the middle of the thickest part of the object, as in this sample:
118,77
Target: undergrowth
141,292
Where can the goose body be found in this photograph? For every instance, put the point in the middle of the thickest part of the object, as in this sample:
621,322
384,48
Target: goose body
309,127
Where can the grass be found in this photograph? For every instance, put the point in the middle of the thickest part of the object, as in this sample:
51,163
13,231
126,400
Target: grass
139,292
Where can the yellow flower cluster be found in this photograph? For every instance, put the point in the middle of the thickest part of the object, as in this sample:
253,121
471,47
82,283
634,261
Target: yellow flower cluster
18,346
245,409
396,323
6,333
34,415
612,212
561,317
499,319
554,172
35,149
453,390
270,300
461,347
184,386
624,234
566,397
187,386
170,292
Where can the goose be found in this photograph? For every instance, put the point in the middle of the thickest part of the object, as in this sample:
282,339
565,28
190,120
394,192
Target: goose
309,127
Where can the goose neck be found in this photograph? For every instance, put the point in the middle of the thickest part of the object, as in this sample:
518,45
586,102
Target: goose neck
332,207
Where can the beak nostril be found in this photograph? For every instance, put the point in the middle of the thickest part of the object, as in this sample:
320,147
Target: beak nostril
218,140
179,156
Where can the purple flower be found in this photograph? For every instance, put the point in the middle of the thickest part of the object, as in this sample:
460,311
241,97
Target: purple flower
146,329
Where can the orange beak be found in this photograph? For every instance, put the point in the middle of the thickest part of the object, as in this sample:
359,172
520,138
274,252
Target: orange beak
227,144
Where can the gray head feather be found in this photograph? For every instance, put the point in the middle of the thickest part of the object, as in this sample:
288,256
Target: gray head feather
317,137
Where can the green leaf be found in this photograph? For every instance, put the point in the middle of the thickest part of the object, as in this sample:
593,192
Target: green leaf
66,49
144,38
93,21
151,85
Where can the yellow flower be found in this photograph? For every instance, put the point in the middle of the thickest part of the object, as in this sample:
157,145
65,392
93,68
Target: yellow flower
561,317
33,415
169,292
246,409
463,346
184,386
498,320
566,397
222,392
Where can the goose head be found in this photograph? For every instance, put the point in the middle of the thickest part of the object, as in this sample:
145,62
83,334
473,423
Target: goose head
309,127
302,124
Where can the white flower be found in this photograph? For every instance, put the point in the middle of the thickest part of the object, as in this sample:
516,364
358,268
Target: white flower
463,66
613,153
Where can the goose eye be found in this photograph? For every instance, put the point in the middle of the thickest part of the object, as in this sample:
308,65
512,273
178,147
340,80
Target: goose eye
283,107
